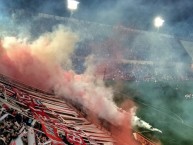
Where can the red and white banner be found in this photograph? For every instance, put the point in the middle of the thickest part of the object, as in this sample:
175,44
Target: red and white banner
23,98
37,102
39,114
51,133
38,110
75,139
9,92
71,135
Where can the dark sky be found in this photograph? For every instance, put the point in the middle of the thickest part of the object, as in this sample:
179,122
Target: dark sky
137,14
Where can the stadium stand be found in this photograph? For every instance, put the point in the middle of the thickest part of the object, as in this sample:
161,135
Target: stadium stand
50,120
134,57
29,117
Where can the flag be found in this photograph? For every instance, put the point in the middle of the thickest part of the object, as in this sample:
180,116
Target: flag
72,136
9,92
51,133
3,117
37,102
17,141
24,98
39,113
31,136
75,139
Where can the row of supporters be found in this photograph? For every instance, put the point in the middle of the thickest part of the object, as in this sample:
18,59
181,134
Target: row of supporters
18,129
47,127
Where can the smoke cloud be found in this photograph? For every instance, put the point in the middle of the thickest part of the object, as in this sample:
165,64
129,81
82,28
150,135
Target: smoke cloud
35,62
140,14
41,63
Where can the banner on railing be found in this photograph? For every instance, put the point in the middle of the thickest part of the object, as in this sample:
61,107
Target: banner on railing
51,133
50,126
142,139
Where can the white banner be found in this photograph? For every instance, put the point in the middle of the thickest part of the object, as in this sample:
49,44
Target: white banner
31,136
3,117
18,141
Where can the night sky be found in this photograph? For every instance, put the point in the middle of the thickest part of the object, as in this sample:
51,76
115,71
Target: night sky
137,14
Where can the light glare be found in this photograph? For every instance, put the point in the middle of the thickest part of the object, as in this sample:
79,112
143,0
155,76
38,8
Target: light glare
72,4
158,22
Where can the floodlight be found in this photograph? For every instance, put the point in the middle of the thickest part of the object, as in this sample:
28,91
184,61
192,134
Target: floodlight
158,22
72,4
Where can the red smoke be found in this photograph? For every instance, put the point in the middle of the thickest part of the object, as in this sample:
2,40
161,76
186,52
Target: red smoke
21,65
123,134
39,65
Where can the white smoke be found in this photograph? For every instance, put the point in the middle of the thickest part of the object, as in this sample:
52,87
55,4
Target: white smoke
40,63
137,122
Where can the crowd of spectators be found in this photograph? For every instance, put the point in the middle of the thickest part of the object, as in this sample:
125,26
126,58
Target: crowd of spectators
11,126
133,44
112,42
41,138
16,124
147,72
16,120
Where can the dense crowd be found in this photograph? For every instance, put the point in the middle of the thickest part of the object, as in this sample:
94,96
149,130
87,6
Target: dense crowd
14,124
148,72
7,130
113,42
17,121
120,43
131,44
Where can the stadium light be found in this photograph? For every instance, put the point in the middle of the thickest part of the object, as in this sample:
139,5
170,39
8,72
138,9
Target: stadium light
158,22
72,5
